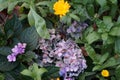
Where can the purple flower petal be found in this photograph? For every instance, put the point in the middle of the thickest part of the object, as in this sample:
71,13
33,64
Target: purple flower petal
11,58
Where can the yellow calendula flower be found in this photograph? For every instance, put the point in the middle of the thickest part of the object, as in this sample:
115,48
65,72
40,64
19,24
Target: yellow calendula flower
61,8
105,73
58,79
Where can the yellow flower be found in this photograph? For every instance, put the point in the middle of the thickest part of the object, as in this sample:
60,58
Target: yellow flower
61,8
58,79
105,73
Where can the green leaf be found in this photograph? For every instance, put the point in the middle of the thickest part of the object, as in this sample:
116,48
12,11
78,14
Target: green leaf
39,23
113,11
43,3
31,18
13,26
102,2
66,19
105,25
83,76
117,45
5,51
108,22
26,72
2,76
41,71
3,5
16,73
110,62
91,37
118,20
96,68
104,36
114,1
28,56
90,10
8,76
115,31
30,36
12,5
34,72
103,58
52,72
113,78
103,9
74,17
42,11
5,65
92,53
117,73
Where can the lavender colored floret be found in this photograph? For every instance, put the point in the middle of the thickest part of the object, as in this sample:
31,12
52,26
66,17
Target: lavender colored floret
76,29
18,49
11,58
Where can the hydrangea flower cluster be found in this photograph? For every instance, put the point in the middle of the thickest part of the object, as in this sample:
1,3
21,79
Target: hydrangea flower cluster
18,49
65,54
76,29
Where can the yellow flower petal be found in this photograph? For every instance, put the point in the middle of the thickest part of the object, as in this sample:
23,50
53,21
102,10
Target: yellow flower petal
61,8
105,73
58,79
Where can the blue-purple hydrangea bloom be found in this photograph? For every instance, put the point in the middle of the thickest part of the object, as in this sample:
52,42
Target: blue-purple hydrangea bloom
65,54
76,29
18,49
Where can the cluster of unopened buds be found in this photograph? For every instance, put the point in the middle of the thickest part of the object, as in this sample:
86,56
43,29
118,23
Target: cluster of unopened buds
18,49
65,54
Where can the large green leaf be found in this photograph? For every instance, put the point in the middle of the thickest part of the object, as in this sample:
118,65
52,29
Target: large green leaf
92,54
39,23
5,51
13,27
94,36
115,31
30,36
34,72
5,65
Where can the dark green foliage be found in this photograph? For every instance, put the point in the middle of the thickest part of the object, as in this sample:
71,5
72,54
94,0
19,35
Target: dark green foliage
13,27
15,74
5,65
30,36
5,51
53,72
101,39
